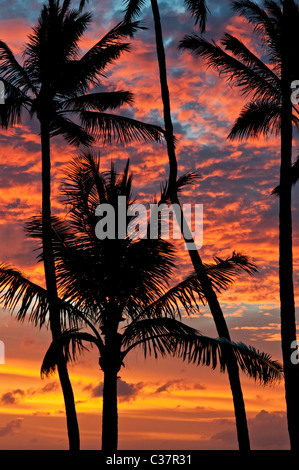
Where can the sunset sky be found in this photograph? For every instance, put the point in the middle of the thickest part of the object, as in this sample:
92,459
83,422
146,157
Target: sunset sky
164,403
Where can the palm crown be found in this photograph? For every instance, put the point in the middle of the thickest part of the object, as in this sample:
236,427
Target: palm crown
119,288
108,282
55,80
259,80
132,273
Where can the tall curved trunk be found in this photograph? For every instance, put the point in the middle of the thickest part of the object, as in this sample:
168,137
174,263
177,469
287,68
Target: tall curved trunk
287,302
216,311
50,276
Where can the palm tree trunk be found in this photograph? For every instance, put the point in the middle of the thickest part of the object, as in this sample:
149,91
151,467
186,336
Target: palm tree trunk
287,302
110,363
50,276
109,415
221,326
232,366
169,136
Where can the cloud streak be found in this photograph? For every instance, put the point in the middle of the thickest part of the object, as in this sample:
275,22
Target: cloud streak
178,384
11,427
13,397
125,391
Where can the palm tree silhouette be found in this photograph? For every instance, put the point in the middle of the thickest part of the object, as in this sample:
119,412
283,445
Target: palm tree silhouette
120,289
53,85
198,10
269,110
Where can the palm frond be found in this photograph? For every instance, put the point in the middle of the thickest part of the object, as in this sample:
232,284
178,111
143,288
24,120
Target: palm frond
242,53
245,77
19,293
149,267
11,111
186,179
15,102
256,118
264,22
109,127
189,293
71,343
30,301
73,133
294,176
154,335
99,101
13,72
182,181
199,10
84,181
212,352
274,10
92,65
223,271
122,30
73,262
160,336
133,9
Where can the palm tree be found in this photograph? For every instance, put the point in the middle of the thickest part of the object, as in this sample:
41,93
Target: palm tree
269,110
198,10
53,85
120,289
